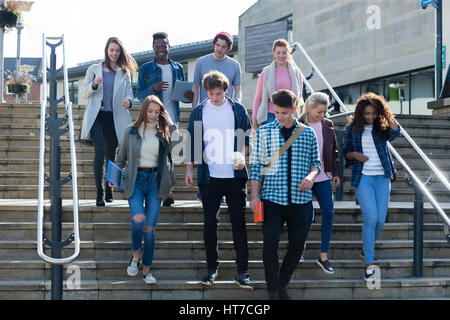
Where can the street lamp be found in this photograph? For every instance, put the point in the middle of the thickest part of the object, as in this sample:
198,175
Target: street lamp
437,4
25,6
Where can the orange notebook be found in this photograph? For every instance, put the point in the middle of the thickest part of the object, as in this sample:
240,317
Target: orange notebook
259,217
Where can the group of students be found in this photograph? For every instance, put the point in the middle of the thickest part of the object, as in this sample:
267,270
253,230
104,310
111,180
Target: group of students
292,157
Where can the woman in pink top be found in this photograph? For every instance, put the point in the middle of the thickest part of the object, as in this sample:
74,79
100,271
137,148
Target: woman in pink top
313,115
282,73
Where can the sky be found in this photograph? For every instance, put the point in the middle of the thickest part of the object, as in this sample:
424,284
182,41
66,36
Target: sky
87,24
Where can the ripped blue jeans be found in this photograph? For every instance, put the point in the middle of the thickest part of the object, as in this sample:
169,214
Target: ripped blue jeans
143,219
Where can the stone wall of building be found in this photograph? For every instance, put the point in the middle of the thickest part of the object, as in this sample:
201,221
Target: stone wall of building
349,40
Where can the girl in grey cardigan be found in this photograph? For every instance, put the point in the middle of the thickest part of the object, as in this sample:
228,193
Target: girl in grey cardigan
107,86
149,176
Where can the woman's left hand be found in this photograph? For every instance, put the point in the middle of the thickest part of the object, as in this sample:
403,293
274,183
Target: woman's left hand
126,104
336,182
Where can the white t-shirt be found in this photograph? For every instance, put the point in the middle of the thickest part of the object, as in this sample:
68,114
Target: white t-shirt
218,136
373,166
167,94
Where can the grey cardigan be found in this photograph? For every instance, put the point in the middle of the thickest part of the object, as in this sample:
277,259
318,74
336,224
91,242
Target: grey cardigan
122,91
129,153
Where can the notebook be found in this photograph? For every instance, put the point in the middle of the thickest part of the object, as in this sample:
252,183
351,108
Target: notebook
114,175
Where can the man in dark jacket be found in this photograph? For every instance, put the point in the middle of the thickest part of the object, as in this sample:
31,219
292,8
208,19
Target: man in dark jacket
219,127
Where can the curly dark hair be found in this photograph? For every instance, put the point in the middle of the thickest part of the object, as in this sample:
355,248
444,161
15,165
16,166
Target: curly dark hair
385,116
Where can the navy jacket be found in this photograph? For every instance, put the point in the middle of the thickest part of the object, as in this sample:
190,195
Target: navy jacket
194,154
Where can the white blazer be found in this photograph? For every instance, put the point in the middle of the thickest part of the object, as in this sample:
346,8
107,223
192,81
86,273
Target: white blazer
122,91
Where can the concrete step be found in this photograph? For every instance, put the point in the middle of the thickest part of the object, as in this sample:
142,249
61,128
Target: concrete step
194,250
184,193
194,270
194,231
136,289
346,212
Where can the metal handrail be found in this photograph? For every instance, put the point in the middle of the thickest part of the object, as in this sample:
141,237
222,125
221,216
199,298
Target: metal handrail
40,218
430,164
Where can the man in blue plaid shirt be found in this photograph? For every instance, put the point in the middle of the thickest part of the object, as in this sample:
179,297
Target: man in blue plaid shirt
286,193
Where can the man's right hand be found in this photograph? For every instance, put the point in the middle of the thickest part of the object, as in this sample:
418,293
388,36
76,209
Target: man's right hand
254,204
161,86
188,180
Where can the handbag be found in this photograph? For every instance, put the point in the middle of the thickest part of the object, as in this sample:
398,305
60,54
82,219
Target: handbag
277,155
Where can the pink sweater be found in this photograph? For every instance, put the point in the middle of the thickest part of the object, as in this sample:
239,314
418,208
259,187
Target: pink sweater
282,81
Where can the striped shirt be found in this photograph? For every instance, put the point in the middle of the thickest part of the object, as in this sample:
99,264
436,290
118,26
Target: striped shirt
373,166
305,155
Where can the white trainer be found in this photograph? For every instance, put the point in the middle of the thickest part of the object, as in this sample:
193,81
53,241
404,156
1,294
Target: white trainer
133,268
149,279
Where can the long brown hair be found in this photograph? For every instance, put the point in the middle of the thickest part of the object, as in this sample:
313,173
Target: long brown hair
162,126
385,116
126,62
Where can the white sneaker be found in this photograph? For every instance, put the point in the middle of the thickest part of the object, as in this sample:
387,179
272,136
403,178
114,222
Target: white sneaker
133,268
149,279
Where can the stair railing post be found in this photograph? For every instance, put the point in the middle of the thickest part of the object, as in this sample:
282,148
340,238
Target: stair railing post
53,127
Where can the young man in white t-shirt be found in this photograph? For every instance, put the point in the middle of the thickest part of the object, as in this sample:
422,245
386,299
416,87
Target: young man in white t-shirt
219,127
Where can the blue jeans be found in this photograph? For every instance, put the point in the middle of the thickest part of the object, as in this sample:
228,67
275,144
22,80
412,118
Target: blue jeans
145,190
323,192
373,193
270,118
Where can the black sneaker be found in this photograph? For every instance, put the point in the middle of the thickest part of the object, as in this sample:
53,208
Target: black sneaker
369,274
283,294
208,280
243,280
168,201
364,257
325,265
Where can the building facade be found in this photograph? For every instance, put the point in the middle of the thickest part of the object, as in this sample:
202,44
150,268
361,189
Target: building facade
186,54
383,46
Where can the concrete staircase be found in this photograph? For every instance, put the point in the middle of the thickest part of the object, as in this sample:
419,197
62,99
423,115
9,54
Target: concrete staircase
179,255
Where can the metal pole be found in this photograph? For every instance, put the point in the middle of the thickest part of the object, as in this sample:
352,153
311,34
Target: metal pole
2,36
55,187
418,233
439,48
19,28
2,65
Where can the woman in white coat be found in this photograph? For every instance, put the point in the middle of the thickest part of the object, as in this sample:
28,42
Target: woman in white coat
107,86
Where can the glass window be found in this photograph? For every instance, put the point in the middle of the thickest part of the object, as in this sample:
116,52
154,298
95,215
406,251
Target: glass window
422,91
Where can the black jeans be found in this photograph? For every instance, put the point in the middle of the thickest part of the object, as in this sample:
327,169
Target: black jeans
103,133
296,218
235,191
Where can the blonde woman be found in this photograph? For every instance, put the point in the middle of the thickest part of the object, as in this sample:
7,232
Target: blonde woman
280,74
313,115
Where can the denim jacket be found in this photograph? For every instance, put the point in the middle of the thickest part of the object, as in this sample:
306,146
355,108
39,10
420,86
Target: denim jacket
195,128
150,74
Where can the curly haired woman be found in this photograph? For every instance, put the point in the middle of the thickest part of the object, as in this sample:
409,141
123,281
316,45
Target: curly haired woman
366,151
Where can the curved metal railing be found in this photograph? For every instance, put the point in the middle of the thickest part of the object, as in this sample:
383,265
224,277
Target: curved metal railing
40,217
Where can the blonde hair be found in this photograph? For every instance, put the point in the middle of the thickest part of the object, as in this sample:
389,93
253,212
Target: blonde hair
316,99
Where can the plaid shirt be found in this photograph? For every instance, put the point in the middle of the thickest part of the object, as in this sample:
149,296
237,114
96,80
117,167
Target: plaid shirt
305,155
353,144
